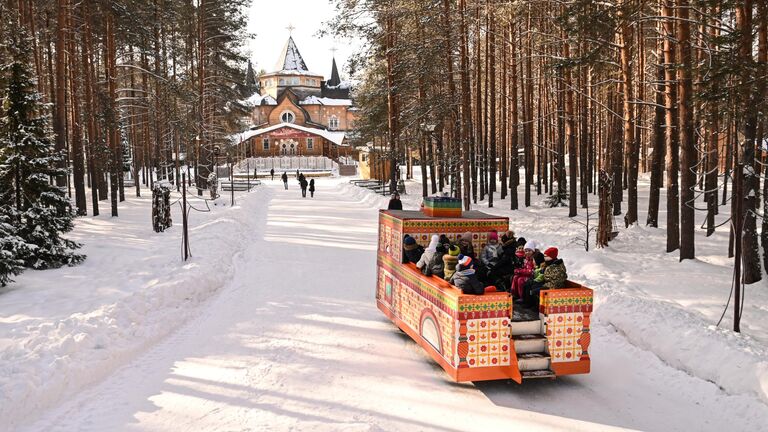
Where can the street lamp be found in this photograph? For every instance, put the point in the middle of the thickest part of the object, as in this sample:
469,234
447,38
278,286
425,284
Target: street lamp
231,180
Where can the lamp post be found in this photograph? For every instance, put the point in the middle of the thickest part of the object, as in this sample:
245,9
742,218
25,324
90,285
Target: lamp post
231,180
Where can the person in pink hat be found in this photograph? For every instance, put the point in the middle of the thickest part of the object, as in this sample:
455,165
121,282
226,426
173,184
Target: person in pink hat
491,252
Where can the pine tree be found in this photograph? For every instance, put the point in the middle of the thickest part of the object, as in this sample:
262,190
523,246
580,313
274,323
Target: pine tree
12,249
39,211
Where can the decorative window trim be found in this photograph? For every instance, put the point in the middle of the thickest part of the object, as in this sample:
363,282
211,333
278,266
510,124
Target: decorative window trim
265,143
288,112
333,122
310,143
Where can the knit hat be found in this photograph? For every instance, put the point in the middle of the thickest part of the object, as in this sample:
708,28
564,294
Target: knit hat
530,244
409,240
521,241
467,236
454,250
433,243
538,258
551,253
493,235
465,261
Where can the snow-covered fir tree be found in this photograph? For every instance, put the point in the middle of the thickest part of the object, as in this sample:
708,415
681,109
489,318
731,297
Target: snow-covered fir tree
38,211
12,250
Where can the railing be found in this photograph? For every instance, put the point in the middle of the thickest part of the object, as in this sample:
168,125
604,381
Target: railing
287,163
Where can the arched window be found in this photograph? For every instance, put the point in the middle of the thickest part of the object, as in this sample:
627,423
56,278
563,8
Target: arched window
287,117
295,81
333,123
310,143
282,81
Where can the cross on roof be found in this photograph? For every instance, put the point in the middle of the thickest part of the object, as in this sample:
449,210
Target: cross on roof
290,29
333,50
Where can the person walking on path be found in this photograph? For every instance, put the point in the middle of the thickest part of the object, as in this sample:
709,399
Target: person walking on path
312,188
395,203
272,173
285,180
303,183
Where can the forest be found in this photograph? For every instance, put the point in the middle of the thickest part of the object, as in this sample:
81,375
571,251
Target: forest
563,99
573,98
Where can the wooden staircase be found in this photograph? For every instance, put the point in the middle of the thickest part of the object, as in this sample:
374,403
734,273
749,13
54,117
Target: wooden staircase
530,344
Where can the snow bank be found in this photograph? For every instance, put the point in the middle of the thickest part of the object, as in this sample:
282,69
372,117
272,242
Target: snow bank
50,360
736,363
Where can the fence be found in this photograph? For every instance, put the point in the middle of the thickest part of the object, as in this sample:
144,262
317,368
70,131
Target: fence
288,163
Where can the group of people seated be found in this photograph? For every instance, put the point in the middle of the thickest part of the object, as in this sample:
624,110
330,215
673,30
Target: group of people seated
508,263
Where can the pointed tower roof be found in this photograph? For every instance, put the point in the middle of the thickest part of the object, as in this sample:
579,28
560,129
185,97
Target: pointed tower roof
335,79
291,59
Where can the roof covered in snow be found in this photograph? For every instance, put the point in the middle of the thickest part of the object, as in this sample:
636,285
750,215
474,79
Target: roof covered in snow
290,59
334,137
256,99
314,100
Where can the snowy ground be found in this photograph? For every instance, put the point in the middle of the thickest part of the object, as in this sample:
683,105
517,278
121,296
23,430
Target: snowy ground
293,340
63,329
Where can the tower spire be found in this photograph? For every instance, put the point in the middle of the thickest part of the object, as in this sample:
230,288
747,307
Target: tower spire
290,58
335,79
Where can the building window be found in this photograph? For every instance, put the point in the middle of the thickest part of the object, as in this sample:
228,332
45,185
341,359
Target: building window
287,117
333,123
266,143
295,81
310,143
282,81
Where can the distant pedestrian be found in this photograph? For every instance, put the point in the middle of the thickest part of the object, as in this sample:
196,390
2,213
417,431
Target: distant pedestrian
312,188
303,183
297,173
272,173
395,203
285,180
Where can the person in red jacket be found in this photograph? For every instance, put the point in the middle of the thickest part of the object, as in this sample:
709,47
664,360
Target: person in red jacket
525,272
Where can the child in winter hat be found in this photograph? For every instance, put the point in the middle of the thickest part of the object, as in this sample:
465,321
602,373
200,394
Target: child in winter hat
449,262
429,252
551,254
465,278
491,253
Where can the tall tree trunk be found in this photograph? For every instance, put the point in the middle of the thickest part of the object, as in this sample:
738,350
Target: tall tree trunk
570,137
87,61
630,141
514,170
392,119
492,113
687,139
659,144
60,119
672,156
113,137
752,97
78,172
466,116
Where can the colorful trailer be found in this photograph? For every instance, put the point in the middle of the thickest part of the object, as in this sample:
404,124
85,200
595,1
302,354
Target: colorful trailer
485,337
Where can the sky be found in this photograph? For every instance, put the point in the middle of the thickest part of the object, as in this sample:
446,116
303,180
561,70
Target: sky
269,19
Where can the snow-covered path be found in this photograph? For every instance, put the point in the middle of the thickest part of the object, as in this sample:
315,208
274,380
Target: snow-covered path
295,342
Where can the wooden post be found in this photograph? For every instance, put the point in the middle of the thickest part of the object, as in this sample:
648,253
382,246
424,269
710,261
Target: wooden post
737,218
185,235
